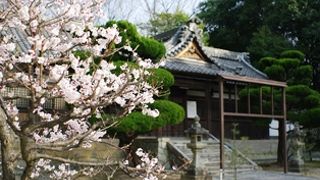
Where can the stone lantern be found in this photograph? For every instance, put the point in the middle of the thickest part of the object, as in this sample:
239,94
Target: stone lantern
295,149
196,132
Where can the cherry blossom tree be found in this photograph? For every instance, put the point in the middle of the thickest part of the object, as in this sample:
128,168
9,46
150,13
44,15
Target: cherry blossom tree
48,70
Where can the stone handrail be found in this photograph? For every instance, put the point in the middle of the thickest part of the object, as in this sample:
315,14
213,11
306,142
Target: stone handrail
230,148
178,153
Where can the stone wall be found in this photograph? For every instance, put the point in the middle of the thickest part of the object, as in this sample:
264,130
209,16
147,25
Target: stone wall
260,151
106,150
156,146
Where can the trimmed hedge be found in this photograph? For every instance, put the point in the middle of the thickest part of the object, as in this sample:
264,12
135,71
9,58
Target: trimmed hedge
295,54
266,61
289,63
147,47
161,77
275,72
136,122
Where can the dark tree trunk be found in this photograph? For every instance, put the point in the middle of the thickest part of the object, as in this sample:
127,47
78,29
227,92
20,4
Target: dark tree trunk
10,149
28,156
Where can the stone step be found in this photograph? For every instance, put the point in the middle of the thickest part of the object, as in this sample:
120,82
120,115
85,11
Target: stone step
227,163
205,142
227,171
230,166
215,163
210,157
207,149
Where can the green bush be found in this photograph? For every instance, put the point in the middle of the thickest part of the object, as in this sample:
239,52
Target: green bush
303,103
312,100
151,48
299,90
301,98
127,31
295,54
288,63
305,70
136,122
170,112
266,61
133,123
161,77
275,72
310,118
146,47
303,75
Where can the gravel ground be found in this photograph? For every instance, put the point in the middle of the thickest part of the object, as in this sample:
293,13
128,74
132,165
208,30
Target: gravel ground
267,175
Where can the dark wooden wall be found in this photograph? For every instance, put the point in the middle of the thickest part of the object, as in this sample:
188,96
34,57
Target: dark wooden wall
204,90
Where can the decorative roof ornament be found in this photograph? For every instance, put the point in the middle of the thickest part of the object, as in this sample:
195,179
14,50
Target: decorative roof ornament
193,25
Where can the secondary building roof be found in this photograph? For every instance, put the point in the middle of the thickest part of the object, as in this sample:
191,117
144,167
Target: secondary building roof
186,53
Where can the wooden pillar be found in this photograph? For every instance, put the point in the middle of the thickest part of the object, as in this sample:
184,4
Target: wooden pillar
284,132
272,103
260,99
235,98
221,96
209,110
249,99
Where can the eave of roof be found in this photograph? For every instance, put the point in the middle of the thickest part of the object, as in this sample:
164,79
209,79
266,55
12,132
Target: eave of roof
253,80
230,62
191,66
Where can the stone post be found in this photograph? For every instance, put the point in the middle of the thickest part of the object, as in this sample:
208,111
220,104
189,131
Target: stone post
196,170
296,146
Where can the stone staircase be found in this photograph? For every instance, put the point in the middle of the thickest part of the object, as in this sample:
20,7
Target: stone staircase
210,156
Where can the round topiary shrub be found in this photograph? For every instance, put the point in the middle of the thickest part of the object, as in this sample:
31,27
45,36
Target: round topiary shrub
151,48
289,63
138,123
293,54
170,113
266,61
146,47
161,78
275,72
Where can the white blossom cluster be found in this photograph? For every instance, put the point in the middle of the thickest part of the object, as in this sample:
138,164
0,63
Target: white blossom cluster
48,69
149,167
61,171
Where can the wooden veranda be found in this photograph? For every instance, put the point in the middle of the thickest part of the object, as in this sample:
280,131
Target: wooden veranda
280,117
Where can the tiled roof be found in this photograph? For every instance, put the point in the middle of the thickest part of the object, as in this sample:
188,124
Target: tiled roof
19,38
218,61
237,63
191,66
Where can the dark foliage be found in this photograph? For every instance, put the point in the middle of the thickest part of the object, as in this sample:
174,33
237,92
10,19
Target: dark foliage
265,28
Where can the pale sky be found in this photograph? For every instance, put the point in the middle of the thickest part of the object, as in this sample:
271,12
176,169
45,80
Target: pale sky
136,10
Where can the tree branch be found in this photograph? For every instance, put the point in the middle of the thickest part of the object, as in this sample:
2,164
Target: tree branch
71,161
